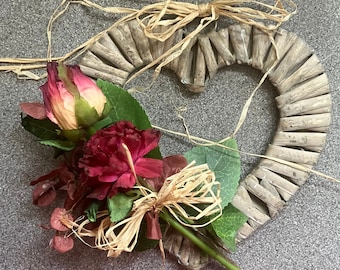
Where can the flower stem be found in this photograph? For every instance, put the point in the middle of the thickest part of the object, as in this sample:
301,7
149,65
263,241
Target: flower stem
197,241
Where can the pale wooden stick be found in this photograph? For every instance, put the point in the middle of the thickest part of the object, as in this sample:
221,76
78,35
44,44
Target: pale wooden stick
185,63
112,56
121,35
307,140
305,122
224,35
260,206
157,47
178,36
295,175
243,193
261,45
141,41
311,88
310,69
294,58
286,188
92,61
292,155
244,232
283,41
315,105
250,211
268,186
221,46
199,73
95,73
320,110
251,183
240,40
209,55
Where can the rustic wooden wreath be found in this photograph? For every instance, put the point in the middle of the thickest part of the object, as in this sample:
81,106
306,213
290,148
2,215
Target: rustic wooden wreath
304,102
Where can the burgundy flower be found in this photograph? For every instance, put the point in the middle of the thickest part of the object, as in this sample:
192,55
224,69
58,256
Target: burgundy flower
106,166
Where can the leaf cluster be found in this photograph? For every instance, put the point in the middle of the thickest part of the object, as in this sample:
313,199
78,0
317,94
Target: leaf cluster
225,163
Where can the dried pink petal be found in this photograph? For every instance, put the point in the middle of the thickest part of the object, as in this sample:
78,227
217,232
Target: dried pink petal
62,243
34,109
55,220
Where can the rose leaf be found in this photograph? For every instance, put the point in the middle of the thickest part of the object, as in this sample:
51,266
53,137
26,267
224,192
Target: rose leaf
228,224
223,162
43,129
119,206
92,211
131,111
60,144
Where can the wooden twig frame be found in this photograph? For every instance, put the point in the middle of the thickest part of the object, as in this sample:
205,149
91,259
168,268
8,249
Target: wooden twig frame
304,101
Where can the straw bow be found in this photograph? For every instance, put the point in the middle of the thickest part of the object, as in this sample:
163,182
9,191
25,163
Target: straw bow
192,186
185,13
161,20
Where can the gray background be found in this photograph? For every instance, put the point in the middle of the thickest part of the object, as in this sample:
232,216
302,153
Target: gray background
304,236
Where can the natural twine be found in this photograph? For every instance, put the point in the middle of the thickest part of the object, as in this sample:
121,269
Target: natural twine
192,186
150,18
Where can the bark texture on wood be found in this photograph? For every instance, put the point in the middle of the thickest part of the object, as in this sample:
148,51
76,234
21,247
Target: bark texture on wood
303,101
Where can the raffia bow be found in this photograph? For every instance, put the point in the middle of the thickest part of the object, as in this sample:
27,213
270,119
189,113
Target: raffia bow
155,15
184,13
192,186
181,14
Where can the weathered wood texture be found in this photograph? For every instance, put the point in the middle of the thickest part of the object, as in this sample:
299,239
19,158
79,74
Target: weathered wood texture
303,101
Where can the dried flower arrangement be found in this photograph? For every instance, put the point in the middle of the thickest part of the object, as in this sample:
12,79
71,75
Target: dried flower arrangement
119,193
118,188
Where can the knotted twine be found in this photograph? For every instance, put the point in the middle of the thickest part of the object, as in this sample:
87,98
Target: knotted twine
192,186
151,17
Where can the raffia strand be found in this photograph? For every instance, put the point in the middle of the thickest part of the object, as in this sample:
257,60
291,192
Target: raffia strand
192,186
154,15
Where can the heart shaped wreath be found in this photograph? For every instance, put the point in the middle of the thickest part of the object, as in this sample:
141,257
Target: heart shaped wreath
119,190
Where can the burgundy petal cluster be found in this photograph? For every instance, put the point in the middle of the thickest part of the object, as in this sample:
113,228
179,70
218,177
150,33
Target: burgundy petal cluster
106,164
46,186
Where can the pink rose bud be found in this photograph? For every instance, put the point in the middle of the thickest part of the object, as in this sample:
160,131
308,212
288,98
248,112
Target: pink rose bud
72,100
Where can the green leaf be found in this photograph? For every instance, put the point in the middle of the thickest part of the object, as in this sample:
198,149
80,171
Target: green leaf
223,162
119,206
228,224
92,211
60,144
43,129
154,153
124,106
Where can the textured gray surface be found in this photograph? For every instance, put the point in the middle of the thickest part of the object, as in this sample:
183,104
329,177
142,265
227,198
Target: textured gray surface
305,235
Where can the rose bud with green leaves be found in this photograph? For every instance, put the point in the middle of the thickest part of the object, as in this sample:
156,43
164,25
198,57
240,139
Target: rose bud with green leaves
72,100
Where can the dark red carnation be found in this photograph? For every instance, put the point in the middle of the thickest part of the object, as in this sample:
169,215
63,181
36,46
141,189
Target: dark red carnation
105,162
